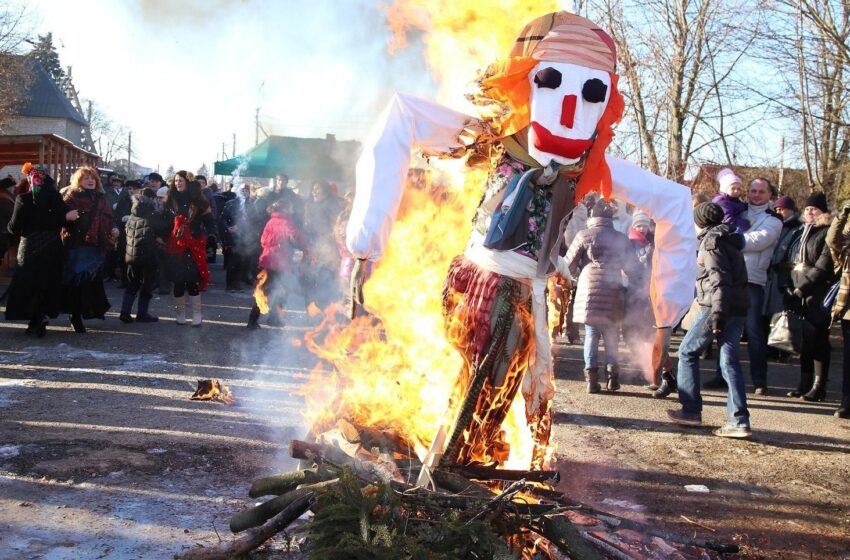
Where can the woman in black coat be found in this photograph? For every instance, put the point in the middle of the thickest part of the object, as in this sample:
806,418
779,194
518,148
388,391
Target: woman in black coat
811,277
189,217
38,217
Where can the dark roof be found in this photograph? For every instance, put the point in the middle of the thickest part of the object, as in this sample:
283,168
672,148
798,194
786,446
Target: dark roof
43,97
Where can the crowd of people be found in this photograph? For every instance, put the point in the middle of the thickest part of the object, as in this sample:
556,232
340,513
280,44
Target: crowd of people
758,259
155,235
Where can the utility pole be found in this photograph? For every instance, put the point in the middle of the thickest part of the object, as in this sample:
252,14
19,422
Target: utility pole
257,126
781,163
234,145
129,153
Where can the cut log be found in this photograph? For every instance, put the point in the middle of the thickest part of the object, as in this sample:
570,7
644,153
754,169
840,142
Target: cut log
368,470
256,516
458,484
565,536
373,437
282,483
476,472
255,537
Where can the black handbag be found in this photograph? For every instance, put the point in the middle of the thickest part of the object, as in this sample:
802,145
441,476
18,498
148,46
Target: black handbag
786,332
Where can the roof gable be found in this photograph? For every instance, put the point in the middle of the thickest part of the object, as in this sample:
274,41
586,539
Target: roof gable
43,98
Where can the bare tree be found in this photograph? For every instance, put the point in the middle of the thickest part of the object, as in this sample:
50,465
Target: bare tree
677,58
14,30
808,45
109,137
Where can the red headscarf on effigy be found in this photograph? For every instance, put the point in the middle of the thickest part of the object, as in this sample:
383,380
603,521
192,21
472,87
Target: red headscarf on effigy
558,37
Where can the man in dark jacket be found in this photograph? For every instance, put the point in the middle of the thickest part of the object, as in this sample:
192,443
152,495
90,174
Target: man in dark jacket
143,228
238,238
119,201
723,300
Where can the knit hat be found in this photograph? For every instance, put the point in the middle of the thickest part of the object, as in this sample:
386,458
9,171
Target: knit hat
726,178
602,210
785,202
640,219
708,214
161,192
818,200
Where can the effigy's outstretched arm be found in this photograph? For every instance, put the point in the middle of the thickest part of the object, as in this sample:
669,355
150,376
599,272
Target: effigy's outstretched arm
674,266
407,123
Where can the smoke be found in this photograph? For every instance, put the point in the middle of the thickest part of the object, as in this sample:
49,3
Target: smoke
310,68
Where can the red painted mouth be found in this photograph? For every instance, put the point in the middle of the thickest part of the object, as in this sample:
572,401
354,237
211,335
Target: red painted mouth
545,141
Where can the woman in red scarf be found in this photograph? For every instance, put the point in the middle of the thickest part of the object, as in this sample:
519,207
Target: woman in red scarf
87,241
190,218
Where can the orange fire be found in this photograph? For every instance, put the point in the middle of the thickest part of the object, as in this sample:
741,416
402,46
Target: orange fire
397,367
260,296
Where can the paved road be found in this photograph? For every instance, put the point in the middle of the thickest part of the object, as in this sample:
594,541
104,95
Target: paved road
102,455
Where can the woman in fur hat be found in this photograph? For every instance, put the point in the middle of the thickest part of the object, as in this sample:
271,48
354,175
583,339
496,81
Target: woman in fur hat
38,217
87,240
811,277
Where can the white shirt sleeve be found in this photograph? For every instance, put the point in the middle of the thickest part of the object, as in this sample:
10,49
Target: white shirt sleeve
674,267
408,122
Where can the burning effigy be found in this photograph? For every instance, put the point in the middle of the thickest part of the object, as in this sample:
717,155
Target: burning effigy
421,445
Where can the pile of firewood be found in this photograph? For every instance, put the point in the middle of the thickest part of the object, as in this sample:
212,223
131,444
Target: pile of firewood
359,485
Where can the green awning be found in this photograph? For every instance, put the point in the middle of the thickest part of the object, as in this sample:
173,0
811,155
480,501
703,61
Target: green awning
299,158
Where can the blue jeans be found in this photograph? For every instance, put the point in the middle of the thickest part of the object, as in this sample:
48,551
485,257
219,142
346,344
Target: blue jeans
756,337
687,376
610,334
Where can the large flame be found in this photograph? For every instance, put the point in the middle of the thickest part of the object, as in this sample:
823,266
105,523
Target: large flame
397,368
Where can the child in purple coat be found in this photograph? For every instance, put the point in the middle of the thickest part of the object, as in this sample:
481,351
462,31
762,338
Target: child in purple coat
729,199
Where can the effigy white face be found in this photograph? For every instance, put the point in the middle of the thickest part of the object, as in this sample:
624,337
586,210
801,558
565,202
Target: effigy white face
567,101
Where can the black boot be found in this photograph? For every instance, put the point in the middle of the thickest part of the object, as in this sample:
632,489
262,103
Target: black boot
844,409
806,380
818,392
591,375
613,373
668,385
77,323
127,307
254,318
142,315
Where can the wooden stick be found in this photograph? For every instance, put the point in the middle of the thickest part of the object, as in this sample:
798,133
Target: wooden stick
697,524
489,473
255,537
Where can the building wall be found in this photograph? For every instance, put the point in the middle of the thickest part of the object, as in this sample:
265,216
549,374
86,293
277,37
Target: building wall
39,125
